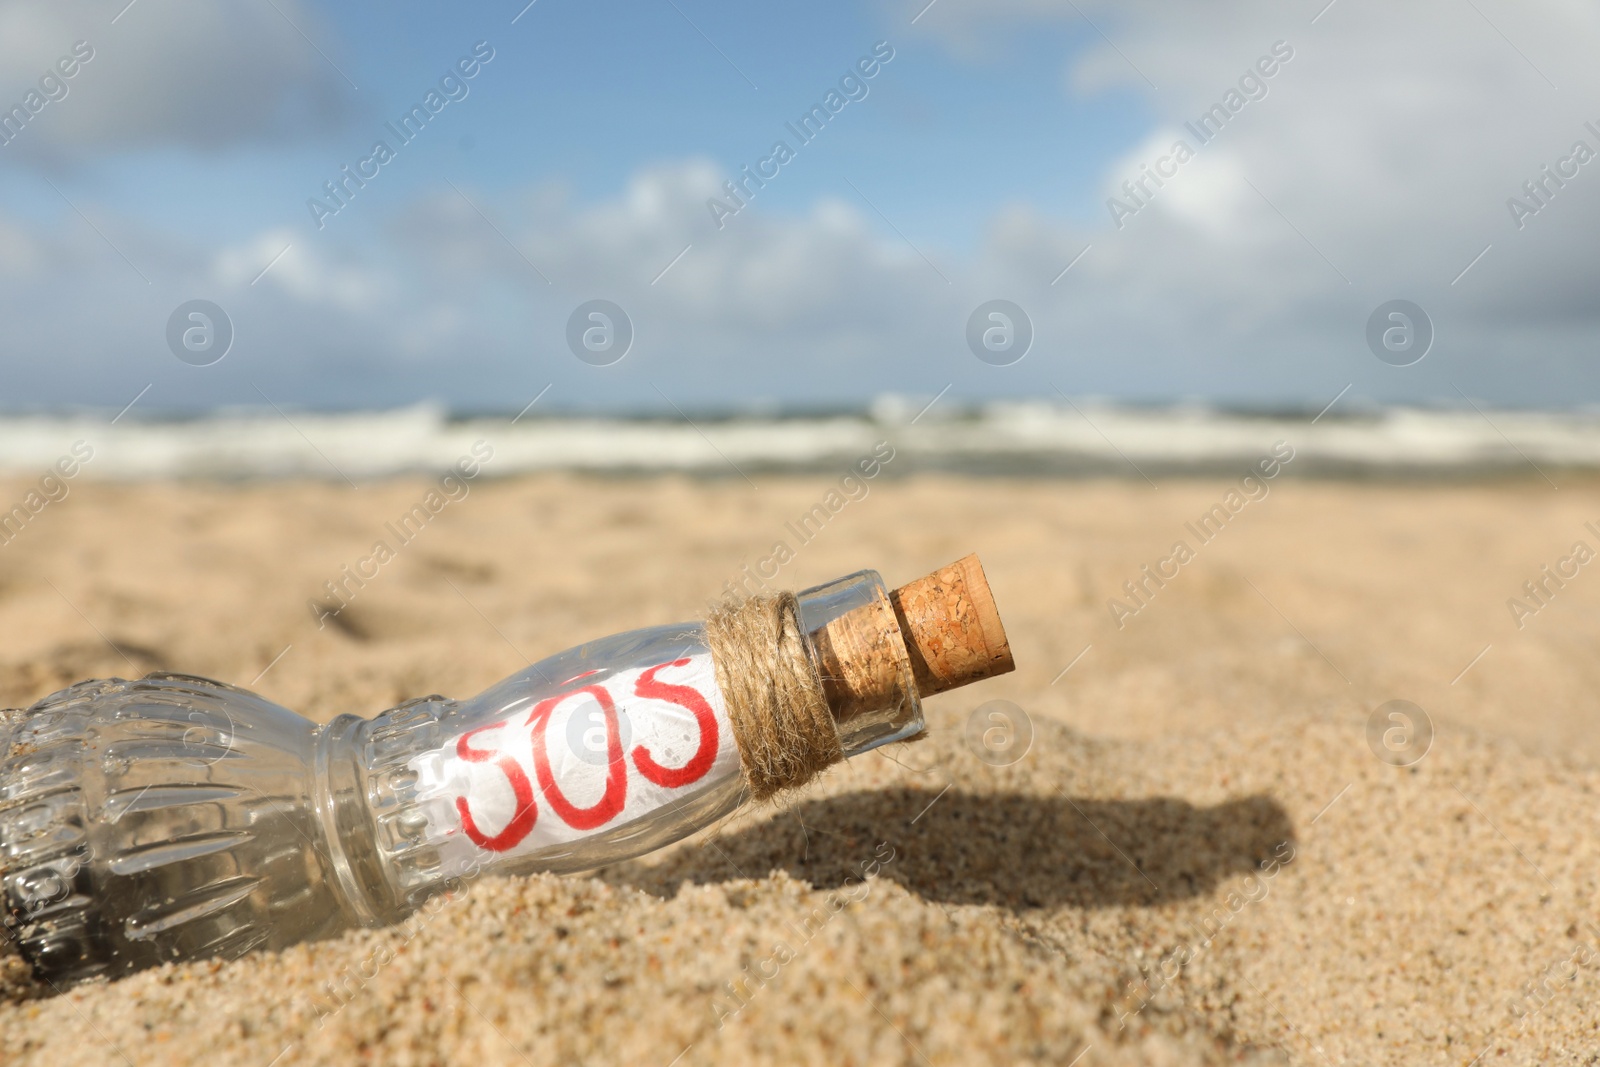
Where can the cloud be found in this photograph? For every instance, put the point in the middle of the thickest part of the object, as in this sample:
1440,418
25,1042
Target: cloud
1379,164
182,73
311,274
1392,140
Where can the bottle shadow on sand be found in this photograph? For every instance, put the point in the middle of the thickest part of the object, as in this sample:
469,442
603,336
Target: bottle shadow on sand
1013,850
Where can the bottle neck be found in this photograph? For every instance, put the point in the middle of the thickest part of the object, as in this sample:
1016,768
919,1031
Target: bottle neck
340,804
366,804
858,649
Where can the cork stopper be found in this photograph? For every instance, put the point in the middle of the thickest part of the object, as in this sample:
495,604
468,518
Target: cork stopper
945,624
952,628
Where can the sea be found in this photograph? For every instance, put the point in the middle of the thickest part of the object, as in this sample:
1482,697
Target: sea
1013,439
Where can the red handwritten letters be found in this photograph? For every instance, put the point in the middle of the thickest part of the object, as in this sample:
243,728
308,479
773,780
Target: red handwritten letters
686,697
634,698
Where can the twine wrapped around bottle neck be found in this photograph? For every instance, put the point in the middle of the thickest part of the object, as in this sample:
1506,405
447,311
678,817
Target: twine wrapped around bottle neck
773,691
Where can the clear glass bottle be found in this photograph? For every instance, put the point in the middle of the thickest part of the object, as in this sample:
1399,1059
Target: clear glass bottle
176,817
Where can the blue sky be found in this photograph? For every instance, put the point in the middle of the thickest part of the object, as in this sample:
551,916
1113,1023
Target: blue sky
584,94
979,164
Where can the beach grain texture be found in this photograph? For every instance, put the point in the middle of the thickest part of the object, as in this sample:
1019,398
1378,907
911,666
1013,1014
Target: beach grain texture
1199,859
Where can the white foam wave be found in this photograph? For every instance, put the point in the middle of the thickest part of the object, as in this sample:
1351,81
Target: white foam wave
1012,436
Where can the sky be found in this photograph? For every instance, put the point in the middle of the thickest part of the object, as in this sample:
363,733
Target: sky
998,150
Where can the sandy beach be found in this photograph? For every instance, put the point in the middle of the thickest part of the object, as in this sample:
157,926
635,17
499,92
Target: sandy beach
1200,859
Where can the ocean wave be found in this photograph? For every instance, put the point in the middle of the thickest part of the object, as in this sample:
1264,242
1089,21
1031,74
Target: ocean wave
1014,438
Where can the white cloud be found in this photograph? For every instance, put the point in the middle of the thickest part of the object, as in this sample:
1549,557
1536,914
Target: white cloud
169,72
1388,146
1391,140
287,260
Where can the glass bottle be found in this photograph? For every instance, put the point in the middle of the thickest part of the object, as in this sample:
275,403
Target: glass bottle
176,817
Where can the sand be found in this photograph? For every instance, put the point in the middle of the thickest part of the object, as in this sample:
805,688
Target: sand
1102,900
